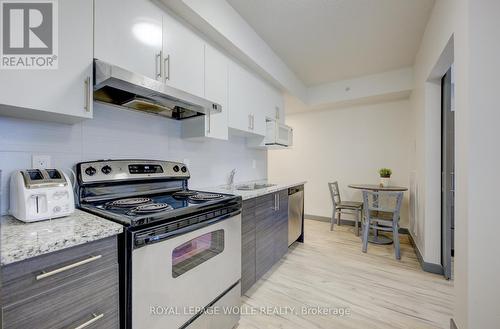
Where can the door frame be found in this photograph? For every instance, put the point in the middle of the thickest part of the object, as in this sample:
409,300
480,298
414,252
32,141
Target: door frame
447,172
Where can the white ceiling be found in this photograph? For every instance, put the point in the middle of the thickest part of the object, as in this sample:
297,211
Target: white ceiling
331,40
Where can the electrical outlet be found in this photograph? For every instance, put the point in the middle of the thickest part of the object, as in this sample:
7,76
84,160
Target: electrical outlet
40,161
254,164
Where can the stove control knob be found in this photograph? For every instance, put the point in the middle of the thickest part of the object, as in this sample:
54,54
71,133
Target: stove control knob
176,168
106,170
183,169
90,171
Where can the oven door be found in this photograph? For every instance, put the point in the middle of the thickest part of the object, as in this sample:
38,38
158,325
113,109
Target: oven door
171,278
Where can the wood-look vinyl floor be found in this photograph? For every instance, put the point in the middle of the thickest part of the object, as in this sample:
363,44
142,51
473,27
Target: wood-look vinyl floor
329,270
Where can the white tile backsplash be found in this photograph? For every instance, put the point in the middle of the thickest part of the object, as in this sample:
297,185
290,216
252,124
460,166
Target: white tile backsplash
117,133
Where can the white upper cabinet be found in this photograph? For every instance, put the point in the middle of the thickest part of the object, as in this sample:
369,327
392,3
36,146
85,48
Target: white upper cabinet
62,94
128,33
141,37
251,101
216,90
245,101
183,57
276,103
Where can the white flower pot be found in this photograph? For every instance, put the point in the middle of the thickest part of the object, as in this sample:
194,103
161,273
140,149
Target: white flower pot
385,181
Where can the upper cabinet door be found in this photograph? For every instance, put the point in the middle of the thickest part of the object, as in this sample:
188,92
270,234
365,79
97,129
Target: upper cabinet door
183,57
277,104
128,33
216,89
62,94
264,108
245,101
239,115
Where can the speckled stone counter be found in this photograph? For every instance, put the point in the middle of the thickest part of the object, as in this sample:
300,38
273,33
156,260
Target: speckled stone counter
249,194
21,240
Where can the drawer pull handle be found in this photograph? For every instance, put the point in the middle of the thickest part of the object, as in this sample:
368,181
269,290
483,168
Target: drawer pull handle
69,267
94,319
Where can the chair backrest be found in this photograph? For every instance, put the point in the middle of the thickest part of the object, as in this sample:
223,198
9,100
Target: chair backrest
382,202
334,192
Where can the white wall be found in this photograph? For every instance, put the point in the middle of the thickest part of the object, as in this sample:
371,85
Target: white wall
342,93
474,27
348,145
427,128
482,150
118,133
446,25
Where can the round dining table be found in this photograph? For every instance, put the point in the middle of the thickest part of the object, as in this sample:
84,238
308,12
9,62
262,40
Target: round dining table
376,188
375,237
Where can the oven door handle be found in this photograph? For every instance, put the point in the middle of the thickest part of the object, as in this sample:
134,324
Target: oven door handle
144,239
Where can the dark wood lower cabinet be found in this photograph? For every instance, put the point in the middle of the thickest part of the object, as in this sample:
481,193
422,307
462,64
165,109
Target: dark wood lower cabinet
281,227
73,288
264,230
247,245
264,235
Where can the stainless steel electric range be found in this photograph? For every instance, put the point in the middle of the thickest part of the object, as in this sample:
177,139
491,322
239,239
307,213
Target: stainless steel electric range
181,249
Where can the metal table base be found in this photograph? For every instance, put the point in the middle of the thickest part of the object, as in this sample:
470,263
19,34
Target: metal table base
379,239
376,238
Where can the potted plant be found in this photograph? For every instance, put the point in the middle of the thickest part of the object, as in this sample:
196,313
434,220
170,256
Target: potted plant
385,176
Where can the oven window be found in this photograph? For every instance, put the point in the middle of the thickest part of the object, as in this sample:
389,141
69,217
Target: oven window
196,251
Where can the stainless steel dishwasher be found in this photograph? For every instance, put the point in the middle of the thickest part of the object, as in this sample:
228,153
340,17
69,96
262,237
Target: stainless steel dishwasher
295,213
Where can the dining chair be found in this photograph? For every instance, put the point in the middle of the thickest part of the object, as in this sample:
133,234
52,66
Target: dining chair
382,212
344,207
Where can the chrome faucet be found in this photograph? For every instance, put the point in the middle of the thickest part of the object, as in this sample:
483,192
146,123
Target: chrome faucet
231,178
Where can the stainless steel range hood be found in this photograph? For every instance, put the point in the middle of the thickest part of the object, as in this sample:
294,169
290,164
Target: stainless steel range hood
118,86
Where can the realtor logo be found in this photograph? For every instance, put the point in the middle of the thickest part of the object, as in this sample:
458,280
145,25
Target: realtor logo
28,34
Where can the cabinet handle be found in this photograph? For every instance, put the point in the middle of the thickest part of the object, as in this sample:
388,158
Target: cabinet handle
158,65
88,94
68,267
166,67
209,121
94,319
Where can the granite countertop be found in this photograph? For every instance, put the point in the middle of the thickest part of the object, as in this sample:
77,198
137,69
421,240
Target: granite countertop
20,241
249,194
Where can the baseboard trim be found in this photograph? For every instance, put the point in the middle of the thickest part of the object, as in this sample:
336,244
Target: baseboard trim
427,267
347,222
453,325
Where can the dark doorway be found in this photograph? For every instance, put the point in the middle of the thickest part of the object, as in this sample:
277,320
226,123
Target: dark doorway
447,173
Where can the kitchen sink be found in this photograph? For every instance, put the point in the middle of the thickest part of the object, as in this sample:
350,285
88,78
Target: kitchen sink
255,186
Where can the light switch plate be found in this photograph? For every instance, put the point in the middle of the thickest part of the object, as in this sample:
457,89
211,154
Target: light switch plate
254,164
187,162
40,161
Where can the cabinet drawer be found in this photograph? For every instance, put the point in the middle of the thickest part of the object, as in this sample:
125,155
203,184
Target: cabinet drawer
263,199
92,300
248,204
36,275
